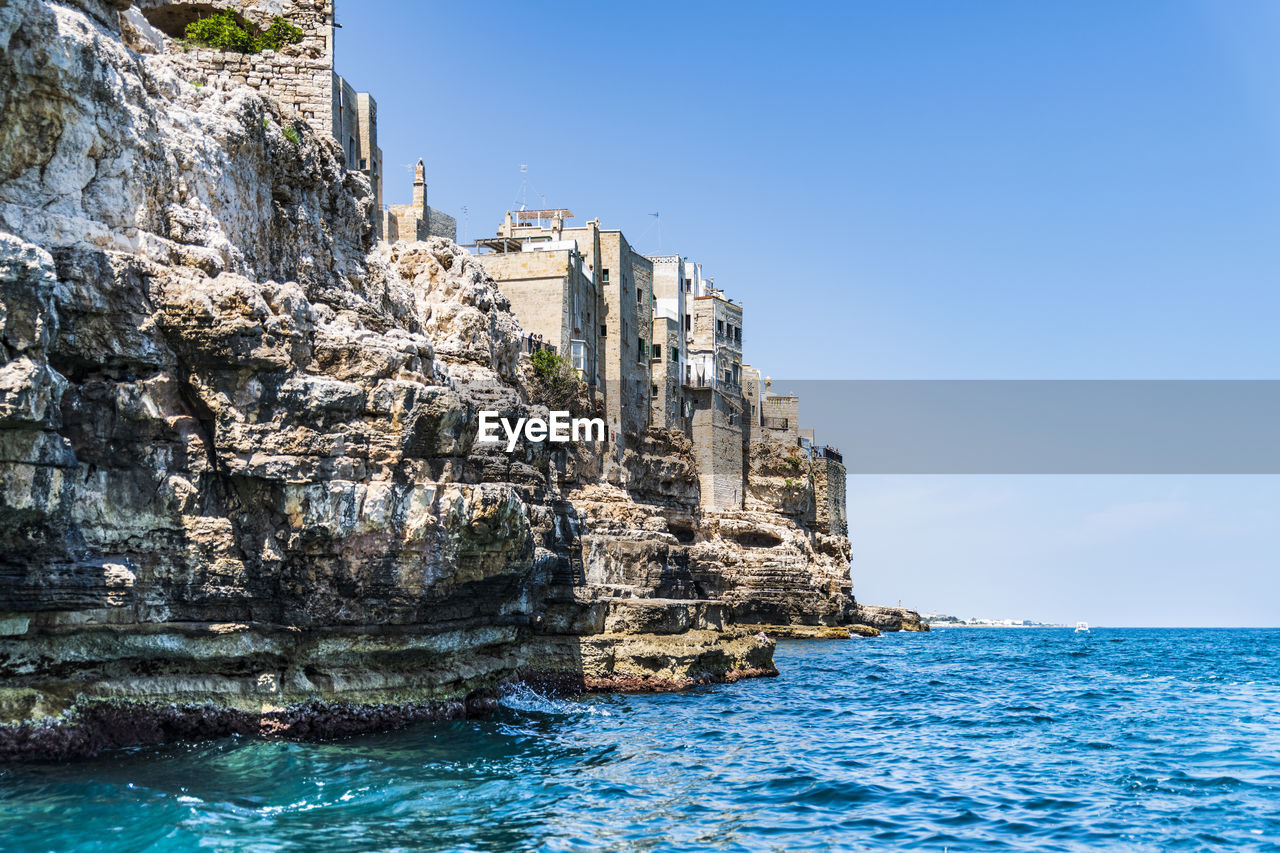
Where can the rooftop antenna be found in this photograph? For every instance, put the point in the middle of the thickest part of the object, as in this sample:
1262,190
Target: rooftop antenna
465,221
659,221
524,185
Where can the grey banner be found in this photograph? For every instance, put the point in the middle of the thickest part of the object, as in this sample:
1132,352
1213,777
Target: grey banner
1045,427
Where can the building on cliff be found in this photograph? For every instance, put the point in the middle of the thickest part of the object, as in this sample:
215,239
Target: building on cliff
623,287
713,382
419,220
552,288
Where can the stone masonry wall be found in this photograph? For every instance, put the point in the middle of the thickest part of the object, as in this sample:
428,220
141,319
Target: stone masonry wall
299,77
830,510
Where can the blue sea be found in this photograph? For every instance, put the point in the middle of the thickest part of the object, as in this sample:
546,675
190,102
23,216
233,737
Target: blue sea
963,739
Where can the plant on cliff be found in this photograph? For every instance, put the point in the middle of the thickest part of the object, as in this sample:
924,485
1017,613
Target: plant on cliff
222,31
555,380
280,33
291,133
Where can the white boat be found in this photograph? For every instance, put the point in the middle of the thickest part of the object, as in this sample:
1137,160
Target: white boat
1082,627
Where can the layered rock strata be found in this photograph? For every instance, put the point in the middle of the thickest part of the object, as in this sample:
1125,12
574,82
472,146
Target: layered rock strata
240,489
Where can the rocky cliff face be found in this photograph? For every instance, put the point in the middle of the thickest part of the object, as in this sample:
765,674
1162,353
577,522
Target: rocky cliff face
239,488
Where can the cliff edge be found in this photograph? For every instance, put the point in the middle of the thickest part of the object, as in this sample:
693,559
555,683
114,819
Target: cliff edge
240,490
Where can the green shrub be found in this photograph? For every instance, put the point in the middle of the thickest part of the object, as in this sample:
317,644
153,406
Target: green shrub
555,380
222,31
280,33
291,133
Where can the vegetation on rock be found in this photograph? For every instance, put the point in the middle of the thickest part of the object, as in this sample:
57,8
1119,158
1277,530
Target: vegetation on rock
222,31
556,383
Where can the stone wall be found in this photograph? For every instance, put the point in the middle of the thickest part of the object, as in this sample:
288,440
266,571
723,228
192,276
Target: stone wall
717,446
780,418
830,512
665,376
299,77
551,296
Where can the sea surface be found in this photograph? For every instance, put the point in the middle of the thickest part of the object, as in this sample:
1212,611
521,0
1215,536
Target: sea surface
963,739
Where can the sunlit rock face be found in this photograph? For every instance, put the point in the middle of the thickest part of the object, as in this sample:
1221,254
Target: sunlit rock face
239,484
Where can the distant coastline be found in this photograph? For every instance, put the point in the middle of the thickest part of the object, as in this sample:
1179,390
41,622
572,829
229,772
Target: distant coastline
940,620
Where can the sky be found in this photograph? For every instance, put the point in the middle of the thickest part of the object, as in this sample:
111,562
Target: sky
907,189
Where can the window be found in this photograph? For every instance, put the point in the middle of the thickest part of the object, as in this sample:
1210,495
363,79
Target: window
639,349
639,296
688,285
688,322
653,391
578,355
364,164
657,352
604,331
720,328
737,375
737,335
604,276
675,354
728,376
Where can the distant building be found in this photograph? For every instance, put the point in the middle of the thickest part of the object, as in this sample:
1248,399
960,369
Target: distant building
419,220
673,278
713,382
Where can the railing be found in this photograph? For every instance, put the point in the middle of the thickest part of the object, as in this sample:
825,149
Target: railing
692,380
529,344
831,453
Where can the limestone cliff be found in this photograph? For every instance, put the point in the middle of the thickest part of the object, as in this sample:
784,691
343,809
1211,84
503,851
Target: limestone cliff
239,484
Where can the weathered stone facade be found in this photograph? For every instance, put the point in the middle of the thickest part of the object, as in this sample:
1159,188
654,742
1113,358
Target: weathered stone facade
624,311
554,296
713,381
830,512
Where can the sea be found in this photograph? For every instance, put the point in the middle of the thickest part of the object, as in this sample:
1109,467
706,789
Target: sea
959,740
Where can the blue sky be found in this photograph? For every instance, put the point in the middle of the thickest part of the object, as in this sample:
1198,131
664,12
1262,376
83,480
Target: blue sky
910,189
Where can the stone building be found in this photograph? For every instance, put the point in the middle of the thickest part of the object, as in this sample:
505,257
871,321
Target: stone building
713,383
829,512
355,126
624,311
419,220
552,288
673,279
779,417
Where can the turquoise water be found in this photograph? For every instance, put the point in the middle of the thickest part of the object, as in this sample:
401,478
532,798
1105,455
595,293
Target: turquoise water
963,739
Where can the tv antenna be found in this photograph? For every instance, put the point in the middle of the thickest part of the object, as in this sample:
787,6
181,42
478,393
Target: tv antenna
658,219
524,186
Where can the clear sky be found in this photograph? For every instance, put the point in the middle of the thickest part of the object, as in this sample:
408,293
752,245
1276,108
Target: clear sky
913,189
